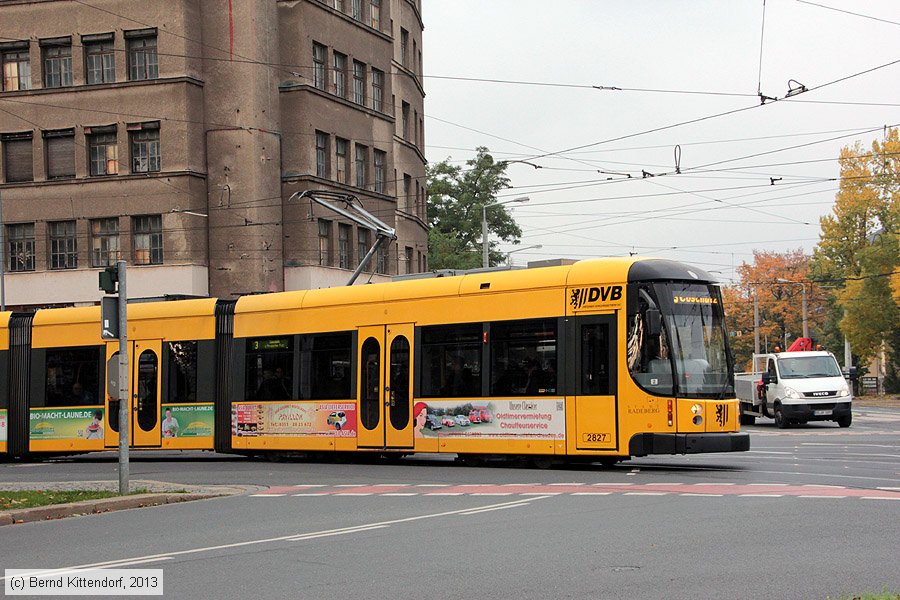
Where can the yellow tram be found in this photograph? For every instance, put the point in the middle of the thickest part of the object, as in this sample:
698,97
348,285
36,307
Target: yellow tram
598,361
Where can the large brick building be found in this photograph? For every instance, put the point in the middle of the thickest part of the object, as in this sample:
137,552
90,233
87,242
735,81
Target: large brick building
171,134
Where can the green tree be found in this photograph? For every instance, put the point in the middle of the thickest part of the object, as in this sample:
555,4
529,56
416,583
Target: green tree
858,249
456,197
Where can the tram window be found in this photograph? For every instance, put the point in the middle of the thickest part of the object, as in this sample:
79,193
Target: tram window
73,376
182,371
595,363
523,357
329,369
648,352
451,359
269,371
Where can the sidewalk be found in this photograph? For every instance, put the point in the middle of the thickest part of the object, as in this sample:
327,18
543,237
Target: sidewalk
886,401
158,492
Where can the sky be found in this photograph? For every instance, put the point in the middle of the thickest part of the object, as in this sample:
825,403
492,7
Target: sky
723,204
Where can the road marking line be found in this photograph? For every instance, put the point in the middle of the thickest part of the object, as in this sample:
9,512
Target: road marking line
880,497
352,494
312,494
317,485
565,484
349,485
266,495
169,555
314,536
432,485
646,493
491,494
813,496
889,489
391,485
475,512
663,484
542,494
591,493
702,495
761,495
443,494
606,484
400,494
770,484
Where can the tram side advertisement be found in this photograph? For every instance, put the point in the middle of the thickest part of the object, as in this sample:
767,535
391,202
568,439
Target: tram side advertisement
3,427
329,419
66,423
497,419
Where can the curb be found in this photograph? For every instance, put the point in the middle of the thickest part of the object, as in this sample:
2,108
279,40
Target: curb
91,507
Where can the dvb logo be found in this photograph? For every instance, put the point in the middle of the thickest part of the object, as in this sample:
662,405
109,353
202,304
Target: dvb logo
606,293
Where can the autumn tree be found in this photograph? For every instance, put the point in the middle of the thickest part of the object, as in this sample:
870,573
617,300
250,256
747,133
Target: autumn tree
780,304
858,250
456,196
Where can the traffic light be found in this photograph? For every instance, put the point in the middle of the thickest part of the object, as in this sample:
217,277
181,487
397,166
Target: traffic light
109,277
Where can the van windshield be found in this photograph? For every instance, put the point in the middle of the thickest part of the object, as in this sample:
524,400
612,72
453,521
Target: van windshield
808,367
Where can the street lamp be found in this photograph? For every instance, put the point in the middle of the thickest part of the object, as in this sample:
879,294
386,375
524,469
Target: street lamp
535,247
803,285
484,227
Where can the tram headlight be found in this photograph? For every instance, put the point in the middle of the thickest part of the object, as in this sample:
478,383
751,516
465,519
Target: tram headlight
697,409
698,420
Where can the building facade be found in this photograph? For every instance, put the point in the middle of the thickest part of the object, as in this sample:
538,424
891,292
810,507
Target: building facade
172,133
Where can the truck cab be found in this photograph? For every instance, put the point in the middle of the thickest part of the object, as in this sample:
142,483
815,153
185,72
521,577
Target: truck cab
795,387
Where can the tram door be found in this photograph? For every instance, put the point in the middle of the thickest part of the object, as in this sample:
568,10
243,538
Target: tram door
596,423
145,424
384,386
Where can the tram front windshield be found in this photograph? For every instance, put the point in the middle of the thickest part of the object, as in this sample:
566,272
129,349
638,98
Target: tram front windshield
679,328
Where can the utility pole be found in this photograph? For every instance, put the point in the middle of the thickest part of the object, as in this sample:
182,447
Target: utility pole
124,392
114,323
755,322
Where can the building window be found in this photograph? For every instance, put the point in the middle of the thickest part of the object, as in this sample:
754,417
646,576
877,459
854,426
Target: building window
144,147
57,62
143,62
404,47
379,171
405,120
60,148
340,74
319,78
324,243
344,245
378,90
409,259
147,239
104,242
340,155
415,138
407,201
17,157
63,245
359,82
99,58
375,14
20,246
362,158
338,5
362,244
103,150
381,260
415,52
356,9
16,66
321,154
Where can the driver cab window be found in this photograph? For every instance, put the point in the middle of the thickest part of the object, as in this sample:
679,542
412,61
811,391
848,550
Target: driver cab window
648,347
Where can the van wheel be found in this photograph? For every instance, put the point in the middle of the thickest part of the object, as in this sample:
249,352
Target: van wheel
780,421
845,421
